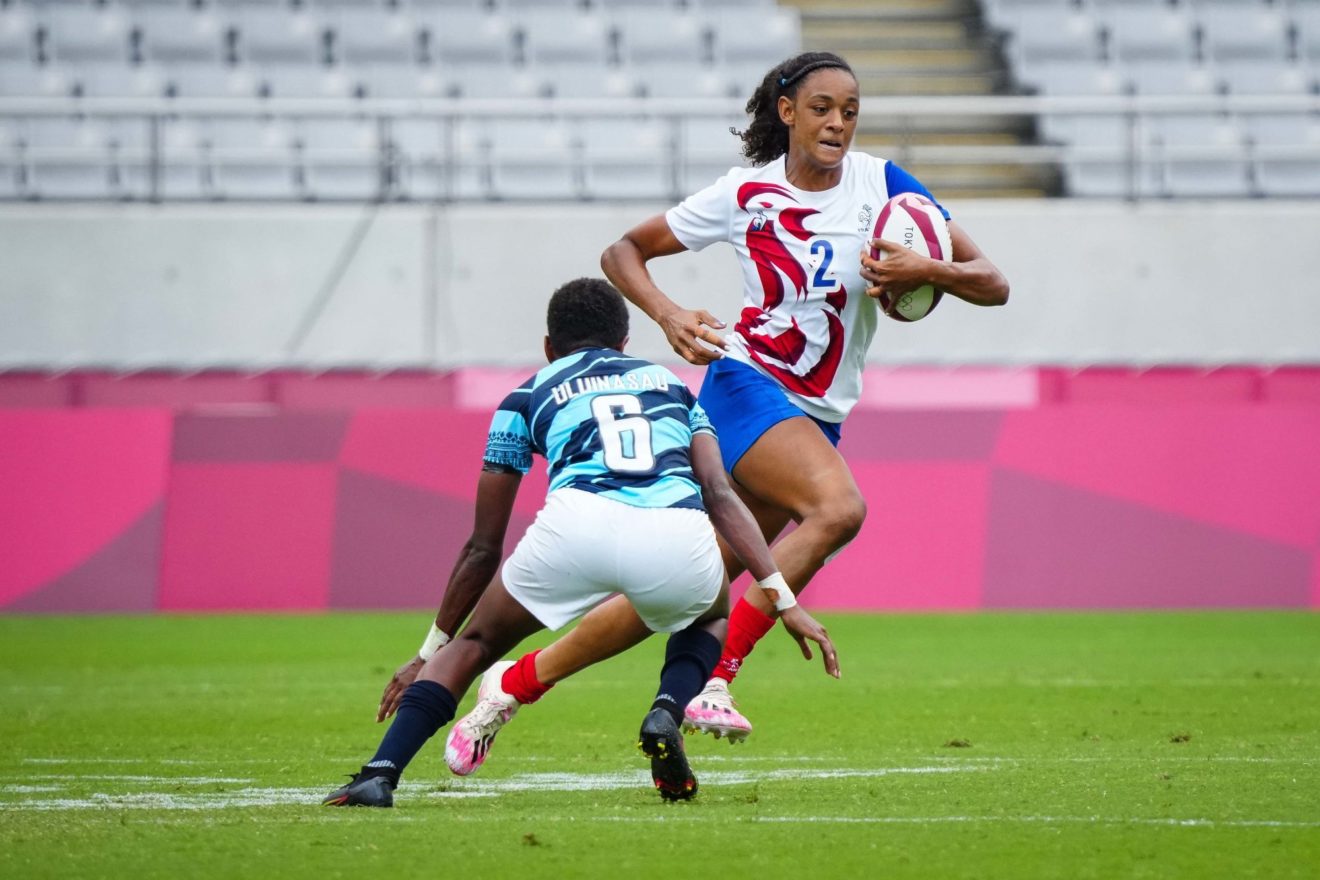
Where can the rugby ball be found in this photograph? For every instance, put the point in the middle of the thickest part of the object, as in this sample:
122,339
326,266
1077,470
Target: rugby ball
915,222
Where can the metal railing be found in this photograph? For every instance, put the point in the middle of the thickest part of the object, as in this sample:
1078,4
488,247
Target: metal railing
462,162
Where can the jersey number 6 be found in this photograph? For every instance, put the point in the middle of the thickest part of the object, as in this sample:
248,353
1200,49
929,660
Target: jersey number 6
625,434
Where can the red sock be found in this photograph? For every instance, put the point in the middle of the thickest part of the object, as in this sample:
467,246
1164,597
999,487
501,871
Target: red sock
746,627
520,681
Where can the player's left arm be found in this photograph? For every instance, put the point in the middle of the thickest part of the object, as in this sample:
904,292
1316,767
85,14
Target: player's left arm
476,566
970,276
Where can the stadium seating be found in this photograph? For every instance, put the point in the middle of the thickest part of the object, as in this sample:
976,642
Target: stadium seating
473,50
1197,48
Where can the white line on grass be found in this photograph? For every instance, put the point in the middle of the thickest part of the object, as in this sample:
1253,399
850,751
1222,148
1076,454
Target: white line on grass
171,780
458,788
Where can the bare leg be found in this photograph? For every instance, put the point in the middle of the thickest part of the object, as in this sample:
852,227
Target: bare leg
818,491
497,625
608,629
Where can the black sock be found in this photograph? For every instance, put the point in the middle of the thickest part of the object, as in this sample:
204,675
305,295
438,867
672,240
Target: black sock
690,657
425,708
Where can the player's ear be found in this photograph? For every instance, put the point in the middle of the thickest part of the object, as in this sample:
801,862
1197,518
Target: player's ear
623,344
549,352
785,106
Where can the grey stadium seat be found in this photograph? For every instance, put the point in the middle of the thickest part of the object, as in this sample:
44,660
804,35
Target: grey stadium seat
1250,31
115,80
75,34
279,35
564,37
589,81
1158,76
707,150
306,81
672,79
533,159
1055,35
18,35
1306,20
497,81
1139,33
461,36
767,37
214,81
1081,77
341,159
650,36
1113,179
1256,77
371,36
403,81
183,35
1211,175
628,159
21,79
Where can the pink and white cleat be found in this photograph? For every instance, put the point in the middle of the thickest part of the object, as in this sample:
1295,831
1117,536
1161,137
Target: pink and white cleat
713,711
470,739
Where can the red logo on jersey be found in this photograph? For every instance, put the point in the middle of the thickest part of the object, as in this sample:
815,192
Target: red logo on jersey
775,264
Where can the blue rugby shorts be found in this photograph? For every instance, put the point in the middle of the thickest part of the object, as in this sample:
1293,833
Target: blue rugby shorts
743,404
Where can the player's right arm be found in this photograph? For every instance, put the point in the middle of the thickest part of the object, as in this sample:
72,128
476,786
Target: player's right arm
475,568
738,527
624,264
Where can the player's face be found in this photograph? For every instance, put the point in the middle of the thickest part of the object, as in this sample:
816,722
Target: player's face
823,117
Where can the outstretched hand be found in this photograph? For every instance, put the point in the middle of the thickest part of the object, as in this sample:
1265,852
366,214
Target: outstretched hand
684,327
389,701
802,626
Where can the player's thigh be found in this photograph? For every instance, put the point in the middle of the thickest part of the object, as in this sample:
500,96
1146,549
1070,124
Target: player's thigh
771,518
793,468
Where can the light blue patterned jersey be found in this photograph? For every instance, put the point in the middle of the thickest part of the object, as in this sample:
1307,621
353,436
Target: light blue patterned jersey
606,423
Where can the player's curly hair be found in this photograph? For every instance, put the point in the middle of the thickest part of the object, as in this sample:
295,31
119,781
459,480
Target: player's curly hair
766,137
586,312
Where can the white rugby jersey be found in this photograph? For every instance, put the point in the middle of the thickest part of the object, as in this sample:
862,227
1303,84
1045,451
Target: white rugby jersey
806,320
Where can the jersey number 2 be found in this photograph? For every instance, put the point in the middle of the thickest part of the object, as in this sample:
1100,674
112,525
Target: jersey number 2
826,250
625,434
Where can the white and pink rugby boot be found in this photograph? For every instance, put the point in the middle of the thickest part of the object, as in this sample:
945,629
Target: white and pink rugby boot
713,711
470,739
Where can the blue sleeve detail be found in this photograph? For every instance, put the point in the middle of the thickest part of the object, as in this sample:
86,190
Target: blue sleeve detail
899,181
699,421
509,443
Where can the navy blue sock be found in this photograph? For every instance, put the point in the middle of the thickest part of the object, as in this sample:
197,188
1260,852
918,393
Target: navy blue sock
425,708
690,657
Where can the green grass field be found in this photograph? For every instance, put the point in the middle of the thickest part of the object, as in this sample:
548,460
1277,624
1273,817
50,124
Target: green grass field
977,746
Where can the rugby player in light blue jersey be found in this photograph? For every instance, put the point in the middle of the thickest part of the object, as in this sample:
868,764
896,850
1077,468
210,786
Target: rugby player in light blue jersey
636,482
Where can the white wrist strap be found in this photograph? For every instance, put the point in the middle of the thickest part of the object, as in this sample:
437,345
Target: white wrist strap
435,640
776,589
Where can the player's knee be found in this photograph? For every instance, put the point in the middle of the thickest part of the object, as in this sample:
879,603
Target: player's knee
841,520
475,648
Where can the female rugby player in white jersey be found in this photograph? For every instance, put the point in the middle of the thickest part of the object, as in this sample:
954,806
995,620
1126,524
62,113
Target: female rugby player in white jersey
779,386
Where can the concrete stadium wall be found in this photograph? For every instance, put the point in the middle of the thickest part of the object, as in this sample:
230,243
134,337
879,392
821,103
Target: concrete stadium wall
131,286
1008,489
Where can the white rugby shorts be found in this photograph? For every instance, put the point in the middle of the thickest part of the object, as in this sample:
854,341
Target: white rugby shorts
584,547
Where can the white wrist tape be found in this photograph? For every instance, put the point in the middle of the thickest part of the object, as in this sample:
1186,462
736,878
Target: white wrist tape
435,640
776,589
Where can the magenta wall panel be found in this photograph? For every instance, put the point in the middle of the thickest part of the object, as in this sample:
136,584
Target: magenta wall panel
72,484
248,536
1035,489
923,543
1251,468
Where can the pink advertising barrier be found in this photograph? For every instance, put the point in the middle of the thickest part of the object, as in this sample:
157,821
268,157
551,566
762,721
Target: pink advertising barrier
1039,488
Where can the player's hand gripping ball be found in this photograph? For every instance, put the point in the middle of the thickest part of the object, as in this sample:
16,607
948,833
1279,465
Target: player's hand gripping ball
916,223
